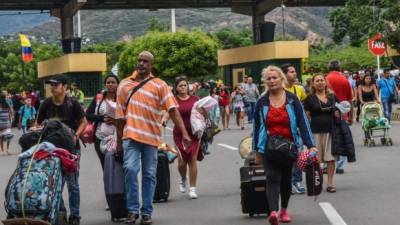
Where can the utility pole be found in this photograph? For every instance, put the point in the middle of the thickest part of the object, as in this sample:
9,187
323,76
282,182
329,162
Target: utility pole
173,22
283,19
79,23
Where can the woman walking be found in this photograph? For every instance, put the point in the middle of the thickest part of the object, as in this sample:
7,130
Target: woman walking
367,91
279,113
5,124
224,102
320,108
190,154
100,112
238,106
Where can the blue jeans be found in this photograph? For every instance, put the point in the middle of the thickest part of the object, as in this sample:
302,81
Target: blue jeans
72,181
136,154
297,175
387,108
340,163
250,111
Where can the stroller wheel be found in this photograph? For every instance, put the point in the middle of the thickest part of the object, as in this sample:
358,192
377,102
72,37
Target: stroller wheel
384,141
389,141
372,143
366,142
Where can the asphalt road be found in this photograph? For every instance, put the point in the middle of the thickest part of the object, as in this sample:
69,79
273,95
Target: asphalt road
367,194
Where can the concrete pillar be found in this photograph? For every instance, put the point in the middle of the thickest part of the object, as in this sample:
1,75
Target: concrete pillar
257,20
67,27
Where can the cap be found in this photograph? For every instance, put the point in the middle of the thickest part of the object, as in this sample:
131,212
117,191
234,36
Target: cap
57,80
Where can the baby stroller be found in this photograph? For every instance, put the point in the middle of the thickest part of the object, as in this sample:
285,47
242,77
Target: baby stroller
374,120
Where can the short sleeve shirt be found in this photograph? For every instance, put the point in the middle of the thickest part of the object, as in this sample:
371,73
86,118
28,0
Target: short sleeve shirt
298,91
340,86
144,110
251,92
387,87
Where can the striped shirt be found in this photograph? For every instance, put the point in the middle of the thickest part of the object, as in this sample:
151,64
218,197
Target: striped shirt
144,110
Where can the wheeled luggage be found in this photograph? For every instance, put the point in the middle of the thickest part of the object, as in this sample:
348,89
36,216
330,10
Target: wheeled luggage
114,187
161,193
253,189
34,190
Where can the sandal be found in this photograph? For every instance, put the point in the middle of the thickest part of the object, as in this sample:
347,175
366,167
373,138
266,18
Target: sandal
331,189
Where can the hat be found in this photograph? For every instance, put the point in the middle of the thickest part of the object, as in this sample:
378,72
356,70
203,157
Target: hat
57,80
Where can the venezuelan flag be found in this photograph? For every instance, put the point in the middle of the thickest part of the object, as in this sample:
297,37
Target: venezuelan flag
27,55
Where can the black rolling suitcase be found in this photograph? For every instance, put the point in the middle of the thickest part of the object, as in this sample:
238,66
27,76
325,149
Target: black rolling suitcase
114,187
253,186
161,193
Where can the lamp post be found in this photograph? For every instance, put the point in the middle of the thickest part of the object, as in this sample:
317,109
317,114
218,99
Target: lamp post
283,19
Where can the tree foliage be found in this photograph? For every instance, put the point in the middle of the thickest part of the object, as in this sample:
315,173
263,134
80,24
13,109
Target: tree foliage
112,49
14,74
229,38
157,25
193,54
351,58
361,19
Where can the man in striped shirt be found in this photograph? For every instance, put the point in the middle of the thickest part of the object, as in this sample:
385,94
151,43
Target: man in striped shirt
139,133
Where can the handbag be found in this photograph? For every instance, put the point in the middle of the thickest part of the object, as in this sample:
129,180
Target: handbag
314,178
279,149
210,131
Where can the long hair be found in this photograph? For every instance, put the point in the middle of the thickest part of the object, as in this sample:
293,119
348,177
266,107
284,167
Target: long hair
177,81
372,82
276,69
314,90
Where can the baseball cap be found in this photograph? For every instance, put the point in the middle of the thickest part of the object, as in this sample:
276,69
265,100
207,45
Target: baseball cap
57,80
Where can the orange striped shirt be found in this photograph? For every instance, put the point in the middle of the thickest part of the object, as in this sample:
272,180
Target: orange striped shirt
144,110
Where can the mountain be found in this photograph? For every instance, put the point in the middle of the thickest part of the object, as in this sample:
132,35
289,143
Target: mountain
14,21
108,25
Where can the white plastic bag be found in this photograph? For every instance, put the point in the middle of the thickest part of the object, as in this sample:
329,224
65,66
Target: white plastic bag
197,119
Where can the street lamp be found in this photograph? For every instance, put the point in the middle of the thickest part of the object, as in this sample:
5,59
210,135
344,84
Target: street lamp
283,19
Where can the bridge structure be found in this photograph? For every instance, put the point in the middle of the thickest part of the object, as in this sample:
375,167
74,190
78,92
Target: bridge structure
66,9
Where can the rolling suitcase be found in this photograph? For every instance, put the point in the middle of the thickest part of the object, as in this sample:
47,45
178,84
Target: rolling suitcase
161,193
253,187
114,187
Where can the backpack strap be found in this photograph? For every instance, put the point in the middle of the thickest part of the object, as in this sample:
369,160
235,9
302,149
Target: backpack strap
136,88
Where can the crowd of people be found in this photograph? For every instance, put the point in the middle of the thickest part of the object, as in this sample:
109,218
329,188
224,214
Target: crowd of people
130,112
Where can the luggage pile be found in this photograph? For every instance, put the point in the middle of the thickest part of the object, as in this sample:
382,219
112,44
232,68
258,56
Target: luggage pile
34,191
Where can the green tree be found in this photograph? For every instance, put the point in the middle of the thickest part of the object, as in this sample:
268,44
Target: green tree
191,53
17,76
112,49
360,19
229,38
157,25
351,58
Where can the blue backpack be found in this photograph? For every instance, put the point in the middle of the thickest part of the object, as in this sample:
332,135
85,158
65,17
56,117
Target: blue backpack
40,192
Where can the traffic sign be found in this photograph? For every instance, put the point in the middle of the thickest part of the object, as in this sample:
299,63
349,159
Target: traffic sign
376,45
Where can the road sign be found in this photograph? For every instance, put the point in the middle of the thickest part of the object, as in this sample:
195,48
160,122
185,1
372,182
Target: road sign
376,45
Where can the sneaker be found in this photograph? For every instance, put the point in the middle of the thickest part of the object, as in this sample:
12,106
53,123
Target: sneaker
182,185
74,220
273,218
146,220
298,188
131,218
340,171
192,193
284,216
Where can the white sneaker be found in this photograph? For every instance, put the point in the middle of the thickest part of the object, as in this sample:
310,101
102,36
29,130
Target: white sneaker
182,185
192,193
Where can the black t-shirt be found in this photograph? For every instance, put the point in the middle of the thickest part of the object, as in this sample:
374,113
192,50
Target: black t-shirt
70,112
321,113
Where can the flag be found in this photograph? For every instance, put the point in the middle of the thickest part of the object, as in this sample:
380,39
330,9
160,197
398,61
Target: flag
26,48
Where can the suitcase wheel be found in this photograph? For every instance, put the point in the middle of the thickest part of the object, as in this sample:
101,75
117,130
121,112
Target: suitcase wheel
251,214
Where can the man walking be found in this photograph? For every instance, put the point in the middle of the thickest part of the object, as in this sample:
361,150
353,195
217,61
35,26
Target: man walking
340,85
251,95
291,76
68,110
141,98
387,87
